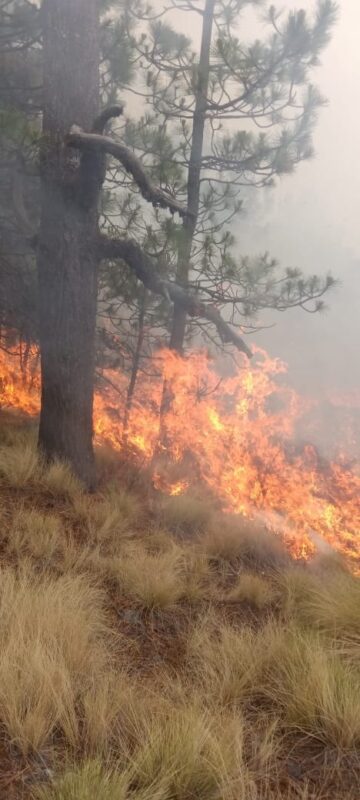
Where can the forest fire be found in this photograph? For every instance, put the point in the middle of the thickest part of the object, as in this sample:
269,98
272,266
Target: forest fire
237,435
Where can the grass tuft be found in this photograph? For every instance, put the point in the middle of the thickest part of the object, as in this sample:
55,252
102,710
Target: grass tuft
58,479
36,534
153,580
254,590
186,515
54,643
234,538
89,781
19,465
329,602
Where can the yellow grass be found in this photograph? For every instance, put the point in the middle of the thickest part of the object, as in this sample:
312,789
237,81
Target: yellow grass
106,520
318,692
232,538
308,683
58,479
187,753
19,464
54,644
186,515
90,781
330,601
36,534
257,663
152,580
254,590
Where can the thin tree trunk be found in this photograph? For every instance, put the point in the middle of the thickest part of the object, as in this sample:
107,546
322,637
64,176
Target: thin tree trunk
67,256
135,366
194,173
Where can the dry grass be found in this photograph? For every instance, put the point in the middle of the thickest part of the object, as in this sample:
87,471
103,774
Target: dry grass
106,520
254,590
188,753
318,692
245,662
19,465
227,664
35,534
54,644
151,580
235,538
186,515
58,479
330,601
90,781
307,682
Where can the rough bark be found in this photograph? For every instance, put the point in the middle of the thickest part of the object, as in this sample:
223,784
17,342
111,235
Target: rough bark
194,174
67,256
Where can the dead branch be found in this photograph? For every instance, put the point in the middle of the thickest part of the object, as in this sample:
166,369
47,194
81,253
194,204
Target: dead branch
105,116
95,142
143,267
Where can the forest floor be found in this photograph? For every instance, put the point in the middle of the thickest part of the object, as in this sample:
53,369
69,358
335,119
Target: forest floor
154,649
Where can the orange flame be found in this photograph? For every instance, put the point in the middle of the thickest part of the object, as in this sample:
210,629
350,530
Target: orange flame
237,435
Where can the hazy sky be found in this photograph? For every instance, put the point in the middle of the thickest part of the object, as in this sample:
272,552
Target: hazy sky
311,219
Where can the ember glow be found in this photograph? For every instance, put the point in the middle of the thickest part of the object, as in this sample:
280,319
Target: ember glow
238,436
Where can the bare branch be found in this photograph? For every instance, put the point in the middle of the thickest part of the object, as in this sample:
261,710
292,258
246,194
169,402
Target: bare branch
104,144
143,267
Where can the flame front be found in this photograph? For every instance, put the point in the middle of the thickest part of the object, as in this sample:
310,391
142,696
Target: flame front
236,435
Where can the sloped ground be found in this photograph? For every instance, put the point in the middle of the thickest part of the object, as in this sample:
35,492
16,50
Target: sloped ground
154,649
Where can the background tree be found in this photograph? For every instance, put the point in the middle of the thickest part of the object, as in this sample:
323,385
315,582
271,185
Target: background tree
20,86
190,139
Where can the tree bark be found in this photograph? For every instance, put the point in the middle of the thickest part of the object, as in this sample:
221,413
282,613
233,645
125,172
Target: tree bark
194,173
67,253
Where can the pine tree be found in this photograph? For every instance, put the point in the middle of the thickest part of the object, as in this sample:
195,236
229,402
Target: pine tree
221,122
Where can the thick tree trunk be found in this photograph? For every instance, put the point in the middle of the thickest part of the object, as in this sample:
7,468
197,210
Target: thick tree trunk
194,173
67,255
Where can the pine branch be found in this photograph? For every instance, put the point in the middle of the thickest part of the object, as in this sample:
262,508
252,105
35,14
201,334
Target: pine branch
143,267
95,142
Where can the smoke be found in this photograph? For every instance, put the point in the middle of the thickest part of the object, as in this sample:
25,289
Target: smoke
310,220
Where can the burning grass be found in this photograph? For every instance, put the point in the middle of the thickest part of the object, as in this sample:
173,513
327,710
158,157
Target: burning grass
243,437
146,655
